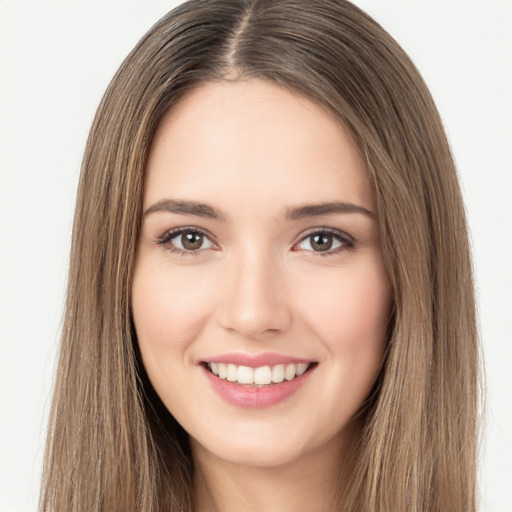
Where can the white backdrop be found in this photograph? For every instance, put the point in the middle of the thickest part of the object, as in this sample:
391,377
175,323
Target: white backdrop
56,59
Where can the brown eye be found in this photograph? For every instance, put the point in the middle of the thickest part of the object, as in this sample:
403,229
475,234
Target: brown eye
322,242
192,241
186,241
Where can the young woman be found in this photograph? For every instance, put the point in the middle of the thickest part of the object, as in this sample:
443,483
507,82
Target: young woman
270,302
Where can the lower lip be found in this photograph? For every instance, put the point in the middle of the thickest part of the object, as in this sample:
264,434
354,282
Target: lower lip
255,397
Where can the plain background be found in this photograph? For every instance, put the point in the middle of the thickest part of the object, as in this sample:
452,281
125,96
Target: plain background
56,59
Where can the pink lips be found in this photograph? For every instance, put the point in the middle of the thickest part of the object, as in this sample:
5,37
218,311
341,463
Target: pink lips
252,396
267,358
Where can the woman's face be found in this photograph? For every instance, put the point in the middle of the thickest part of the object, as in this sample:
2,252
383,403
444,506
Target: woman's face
260,297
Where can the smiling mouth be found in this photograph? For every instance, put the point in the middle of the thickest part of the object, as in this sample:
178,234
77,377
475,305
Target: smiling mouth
262,376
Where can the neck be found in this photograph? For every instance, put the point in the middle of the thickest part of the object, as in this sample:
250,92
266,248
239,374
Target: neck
313,481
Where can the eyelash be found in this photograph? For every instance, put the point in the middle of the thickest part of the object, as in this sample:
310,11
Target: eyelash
346,241
167,237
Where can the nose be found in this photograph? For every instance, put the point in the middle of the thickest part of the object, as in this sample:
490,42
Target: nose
254,301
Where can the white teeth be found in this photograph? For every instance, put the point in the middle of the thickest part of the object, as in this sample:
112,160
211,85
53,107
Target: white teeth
290,372
232,372
261,376
278,373
301,368
245,375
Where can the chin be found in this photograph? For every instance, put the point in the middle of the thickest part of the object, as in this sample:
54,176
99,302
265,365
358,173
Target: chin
265,447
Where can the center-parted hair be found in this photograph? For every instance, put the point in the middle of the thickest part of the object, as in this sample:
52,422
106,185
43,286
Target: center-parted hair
112,445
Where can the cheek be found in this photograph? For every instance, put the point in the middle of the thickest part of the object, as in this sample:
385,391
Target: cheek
350,310
168,308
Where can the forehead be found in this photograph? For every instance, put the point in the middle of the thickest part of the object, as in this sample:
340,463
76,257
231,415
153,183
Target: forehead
253,138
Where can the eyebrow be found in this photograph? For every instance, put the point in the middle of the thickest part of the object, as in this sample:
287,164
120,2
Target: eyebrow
205,210
315,210
186,208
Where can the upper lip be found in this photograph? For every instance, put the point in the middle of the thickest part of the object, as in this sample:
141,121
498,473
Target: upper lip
255,360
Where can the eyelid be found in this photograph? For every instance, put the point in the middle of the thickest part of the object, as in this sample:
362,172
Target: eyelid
166,238
347,240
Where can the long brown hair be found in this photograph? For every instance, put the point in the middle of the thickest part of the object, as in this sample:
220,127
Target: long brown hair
112,445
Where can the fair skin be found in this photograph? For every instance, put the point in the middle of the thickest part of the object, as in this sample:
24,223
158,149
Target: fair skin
260,248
